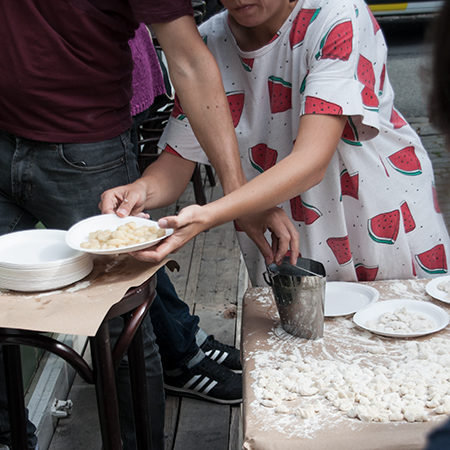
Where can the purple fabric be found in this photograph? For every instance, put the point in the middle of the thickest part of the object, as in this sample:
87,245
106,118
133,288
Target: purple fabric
148,81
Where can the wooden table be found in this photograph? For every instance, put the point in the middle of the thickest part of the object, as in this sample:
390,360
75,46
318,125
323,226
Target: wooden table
266,345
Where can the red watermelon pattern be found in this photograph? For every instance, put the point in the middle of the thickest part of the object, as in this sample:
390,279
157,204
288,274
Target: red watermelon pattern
337,42
340,246
382,80
366,76
406,161
171,150
247,64
397,120
280,94
350,184
350,133
262,157
236,103
434,260
384,227
375,24
300,25
435,199
315,105
366,273
177,111
408,219
302,212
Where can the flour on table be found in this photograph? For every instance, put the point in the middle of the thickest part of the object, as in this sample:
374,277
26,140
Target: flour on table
402,321
349,375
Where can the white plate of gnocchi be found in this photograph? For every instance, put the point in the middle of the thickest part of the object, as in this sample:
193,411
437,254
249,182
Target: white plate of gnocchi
402,318
439,288
108,234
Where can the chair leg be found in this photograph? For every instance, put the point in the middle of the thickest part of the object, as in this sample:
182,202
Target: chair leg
16,403
210,175
105,388
139,391
199,193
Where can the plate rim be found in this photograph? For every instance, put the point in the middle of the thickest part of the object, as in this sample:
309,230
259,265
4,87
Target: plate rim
432,284
366,287
115,251
48,264
398,335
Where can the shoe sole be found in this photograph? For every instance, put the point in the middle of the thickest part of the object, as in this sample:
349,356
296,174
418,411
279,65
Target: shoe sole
180,392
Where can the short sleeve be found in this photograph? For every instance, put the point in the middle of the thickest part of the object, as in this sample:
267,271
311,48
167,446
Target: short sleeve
341,80
179,139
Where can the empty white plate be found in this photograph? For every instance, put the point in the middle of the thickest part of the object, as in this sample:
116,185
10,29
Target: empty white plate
366,317
343,298
433,288
35,249
79,233
38,260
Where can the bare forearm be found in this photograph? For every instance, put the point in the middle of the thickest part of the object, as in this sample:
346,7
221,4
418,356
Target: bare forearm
299,171
165,180
199,87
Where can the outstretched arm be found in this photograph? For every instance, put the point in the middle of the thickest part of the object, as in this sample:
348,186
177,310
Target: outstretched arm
315,145
198,83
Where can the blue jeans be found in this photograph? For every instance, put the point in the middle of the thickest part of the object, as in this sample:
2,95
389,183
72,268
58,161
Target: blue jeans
60,184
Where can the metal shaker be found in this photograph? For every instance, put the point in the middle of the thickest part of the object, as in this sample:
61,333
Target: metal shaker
299,293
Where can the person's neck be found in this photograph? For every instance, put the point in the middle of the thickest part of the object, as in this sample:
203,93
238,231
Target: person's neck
253,38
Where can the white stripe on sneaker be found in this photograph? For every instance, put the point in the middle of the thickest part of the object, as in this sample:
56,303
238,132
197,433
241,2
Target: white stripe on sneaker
222,358
210,386
191,381
199,386
215,354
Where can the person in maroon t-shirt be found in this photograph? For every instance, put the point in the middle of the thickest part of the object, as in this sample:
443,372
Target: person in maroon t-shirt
65,89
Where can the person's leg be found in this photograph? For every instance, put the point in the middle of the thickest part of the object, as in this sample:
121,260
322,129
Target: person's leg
60,184
175,327
155,389
12,218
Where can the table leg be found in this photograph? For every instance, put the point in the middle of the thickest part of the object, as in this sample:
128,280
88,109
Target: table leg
16,403
139,392
105,388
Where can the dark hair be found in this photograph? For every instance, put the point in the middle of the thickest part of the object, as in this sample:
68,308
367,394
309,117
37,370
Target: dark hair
440,87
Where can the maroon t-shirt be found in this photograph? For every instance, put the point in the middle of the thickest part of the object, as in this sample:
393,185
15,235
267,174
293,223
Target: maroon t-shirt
65,65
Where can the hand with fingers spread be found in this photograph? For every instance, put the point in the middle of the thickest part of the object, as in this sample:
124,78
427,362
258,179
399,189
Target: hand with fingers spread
283,232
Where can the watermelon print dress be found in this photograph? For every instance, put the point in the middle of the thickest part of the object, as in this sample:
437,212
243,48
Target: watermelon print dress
375,213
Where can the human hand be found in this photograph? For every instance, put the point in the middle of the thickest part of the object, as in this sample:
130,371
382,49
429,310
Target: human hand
125,200
284,234
189,222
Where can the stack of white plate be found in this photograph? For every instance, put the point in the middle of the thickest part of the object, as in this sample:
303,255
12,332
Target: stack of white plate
40,260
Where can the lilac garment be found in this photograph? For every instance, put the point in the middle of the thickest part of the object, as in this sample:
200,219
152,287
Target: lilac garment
148,82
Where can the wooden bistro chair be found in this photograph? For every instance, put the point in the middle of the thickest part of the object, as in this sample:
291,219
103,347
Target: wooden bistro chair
133,308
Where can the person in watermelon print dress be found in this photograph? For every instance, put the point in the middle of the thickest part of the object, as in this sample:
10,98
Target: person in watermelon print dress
319,135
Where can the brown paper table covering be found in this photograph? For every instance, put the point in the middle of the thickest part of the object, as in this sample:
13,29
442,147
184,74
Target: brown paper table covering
81,307
260,329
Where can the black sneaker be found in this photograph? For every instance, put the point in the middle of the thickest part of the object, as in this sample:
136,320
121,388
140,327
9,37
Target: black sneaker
207,380
223,354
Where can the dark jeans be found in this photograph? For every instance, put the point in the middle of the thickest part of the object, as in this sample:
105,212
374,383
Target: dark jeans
60,184
174,326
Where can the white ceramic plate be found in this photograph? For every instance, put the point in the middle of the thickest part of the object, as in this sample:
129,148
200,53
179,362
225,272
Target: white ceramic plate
342,298
79,233
433,289
35,249
371,313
